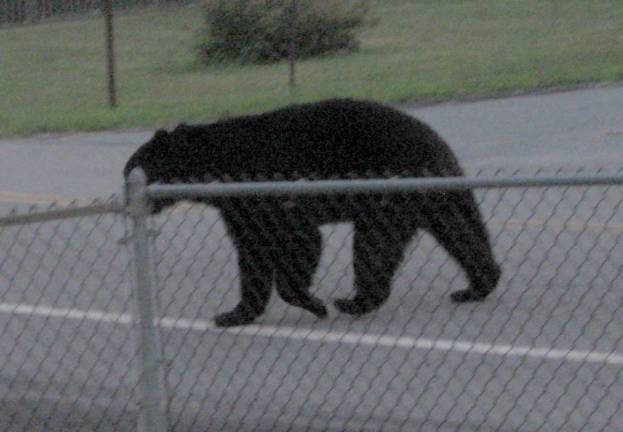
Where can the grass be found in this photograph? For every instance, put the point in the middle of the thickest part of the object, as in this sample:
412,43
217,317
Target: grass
52,75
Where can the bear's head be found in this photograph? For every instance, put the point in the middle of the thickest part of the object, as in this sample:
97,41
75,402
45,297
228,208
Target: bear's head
153,157
157,158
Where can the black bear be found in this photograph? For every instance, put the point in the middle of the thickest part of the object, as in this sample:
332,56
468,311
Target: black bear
278,241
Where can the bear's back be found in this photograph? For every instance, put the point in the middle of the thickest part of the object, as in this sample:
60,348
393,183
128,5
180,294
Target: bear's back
329,139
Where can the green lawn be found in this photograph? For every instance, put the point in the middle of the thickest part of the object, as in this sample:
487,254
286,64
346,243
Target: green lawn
52,75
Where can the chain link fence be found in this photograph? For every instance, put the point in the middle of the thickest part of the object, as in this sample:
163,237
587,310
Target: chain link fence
542,352
64,322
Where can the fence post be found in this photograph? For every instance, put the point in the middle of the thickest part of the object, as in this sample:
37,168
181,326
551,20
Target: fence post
151,380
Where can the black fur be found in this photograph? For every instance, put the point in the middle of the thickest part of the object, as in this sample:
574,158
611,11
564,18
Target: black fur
279,243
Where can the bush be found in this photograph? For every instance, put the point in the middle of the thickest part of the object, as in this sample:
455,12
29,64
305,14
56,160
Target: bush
260,31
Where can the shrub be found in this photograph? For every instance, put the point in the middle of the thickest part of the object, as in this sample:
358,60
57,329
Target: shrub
260,31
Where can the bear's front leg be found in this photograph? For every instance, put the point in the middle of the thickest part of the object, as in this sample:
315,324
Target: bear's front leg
256,279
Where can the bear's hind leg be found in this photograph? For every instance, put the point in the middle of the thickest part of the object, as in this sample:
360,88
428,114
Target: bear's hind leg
457,225
296,264
256,279
377,252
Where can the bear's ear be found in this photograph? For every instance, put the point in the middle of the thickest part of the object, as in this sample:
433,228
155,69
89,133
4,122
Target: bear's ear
181,127
161,134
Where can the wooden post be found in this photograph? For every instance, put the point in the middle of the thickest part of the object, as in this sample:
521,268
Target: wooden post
292,47
32,11
110,54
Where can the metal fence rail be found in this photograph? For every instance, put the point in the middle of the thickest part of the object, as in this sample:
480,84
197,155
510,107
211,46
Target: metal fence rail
543,352
354,186
54,214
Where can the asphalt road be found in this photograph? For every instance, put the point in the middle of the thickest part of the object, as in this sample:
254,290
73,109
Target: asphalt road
544,352
582,128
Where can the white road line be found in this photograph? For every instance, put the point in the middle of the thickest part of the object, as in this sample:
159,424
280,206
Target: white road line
71,314
328,336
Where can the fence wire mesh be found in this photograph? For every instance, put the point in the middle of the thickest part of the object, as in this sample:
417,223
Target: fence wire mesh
542,352
64,324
